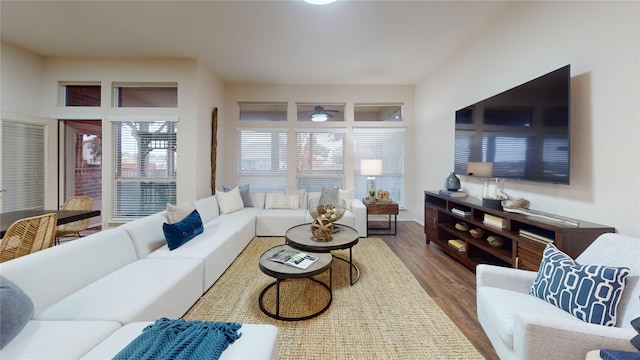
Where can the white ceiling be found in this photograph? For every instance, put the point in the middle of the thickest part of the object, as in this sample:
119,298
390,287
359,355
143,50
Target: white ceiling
269,42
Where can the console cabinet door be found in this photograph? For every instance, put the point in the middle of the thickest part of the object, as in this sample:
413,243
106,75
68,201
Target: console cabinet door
430,223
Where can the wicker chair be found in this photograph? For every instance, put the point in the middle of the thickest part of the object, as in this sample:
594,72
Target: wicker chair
28,235
74,228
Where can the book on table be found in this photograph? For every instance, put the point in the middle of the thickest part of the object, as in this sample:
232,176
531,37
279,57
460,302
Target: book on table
461,212
294,258
494,221
458,245
536,236
450,193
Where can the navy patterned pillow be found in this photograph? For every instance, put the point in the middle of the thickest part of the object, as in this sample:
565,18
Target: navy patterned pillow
178,234
589,292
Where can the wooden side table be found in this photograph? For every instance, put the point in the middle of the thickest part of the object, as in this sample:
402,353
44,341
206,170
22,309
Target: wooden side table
382,208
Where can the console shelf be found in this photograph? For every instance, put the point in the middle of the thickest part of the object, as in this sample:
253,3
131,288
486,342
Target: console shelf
518,251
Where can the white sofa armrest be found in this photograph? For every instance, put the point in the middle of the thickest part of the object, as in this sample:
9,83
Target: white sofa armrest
504,277
536,337
360,213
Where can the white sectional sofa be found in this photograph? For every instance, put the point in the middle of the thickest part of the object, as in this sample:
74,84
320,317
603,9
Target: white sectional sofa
94,295
275,222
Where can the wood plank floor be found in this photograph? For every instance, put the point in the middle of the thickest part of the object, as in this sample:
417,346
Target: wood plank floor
450,284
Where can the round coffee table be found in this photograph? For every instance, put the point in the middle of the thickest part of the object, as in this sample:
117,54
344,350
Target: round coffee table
283,272
344,237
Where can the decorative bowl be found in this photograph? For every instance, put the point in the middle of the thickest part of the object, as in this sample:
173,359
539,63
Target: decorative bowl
330,212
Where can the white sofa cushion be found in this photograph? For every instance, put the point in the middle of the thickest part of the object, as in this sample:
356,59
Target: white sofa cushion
281,201
221,242
50,275
275,222
208,208
257,342
347,195
230,201
146,233
144,290
58,339
176,213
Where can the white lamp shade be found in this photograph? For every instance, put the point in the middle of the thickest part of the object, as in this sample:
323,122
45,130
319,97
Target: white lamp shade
371,167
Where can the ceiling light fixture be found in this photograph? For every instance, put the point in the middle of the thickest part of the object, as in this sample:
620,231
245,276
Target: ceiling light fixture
319,2
319,117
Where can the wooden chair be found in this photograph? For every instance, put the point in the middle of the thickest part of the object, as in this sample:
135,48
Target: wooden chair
28,235
74,228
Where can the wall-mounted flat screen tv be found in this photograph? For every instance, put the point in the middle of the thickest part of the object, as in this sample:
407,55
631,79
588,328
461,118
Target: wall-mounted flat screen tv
520,134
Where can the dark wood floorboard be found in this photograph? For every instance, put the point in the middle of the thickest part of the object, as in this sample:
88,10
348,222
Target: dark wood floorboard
451,285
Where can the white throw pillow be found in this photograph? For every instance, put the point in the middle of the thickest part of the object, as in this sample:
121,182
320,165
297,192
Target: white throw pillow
229,201
279,201
301,196
177,213
347,195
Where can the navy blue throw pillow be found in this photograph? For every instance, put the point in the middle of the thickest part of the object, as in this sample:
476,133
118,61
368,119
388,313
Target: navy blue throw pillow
177,234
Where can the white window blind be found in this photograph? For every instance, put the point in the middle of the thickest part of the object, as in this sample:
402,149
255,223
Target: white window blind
263,159
22,166
387,145
320,159
145,166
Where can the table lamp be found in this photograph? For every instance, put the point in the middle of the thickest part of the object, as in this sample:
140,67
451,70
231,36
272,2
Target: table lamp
371,168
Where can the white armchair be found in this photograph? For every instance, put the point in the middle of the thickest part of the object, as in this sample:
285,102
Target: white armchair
522,326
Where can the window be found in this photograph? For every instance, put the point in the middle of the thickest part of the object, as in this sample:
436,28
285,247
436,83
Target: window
22,166
320,112
141,95
386,144
79,95
320,159
263,159
145,166
255,111
377,112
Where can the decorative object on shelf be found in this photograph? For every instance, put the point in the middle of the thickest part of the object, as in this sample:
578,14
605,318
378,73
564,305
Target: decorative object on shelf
495,241
452,182
476,233
462,226
493,193
324,216
371,168
383,196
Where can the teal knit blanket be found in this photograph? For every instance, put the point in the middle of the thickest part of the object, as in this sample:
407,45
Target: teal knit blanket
181,339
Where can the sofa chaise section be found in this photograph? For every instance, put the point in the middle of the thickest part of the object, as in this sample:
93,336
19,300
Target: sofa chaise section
257,342
58,339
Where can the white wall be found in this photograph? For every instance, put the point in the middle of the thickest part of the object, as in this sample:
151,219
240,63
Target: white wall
20,96
211,94
315,94
601,41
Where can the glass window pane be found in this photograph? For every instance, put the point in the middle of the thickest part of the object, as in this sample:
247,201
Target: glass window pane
254,111
376,112
145,167
320,112
82,95
320,160
263,160
146,96
388,146
22,166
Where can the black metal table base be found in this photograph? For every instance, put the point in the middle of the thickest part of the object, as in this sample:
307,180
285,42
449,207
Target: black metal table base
352,267
277,315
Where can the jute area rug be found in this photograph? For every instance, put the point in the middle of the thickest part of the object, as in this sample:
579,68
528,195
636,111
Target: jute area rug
385,315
